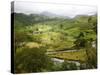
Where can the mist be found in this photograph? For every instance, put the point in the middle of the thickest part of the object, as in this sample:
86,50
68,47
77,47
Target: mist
58,9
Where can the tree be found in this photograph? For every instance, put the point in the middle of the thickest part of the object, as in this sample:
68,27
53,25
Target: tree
80,41
20,38
95,27
91,56
32,60
93,22
61,26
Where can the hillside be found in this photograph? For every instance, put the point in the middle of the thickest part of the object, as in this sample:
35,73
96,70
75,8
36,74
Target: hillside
55,37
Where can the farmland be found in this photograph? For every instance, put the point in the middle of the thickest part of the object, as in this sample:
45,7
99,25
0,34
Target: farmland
40,38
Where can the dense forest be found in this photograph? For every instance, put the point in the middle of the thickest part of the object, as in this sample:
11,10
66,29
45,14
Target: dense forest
45,43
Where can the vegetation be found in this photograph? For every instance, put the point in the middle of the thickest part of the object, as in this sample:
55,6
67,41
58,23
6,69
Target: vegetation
75,55
31,56
38,38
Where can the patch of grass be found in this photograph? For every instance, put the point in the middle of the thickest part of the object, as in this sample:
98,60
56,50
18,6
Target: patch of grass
33,45
76,56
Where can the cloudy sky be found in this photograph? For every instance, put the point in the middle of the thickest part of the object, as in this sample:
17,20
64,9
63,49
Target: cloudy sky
59,9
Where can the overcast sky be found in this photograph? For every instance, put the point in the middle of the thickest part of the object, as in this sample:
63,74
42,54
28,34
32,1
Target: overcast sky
59,9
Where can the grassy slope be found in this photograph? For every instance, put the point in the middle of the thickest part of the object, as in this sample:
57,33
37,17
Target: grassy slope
76,56
56,38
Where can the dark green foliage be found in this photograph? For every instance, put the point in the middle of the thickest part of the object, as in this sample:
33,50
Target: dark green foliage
95,27
56,67
61,26
93,21
32,60
91,57
21,37
22,18
80,41
69,66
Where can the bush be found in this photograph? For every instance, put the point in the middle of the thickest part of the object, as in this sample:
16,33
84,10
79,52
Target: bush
69,66
32,60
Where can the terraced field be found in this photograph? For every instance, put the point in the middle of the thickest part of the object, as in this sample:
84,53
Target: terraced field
71,55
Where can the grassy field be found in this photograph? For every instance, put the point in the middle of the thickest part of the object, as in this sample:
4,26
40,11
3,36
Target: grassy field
75,56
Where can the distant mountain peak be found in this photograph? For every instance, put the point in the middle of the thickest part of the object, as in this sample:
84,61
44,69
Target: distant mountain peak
46,13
